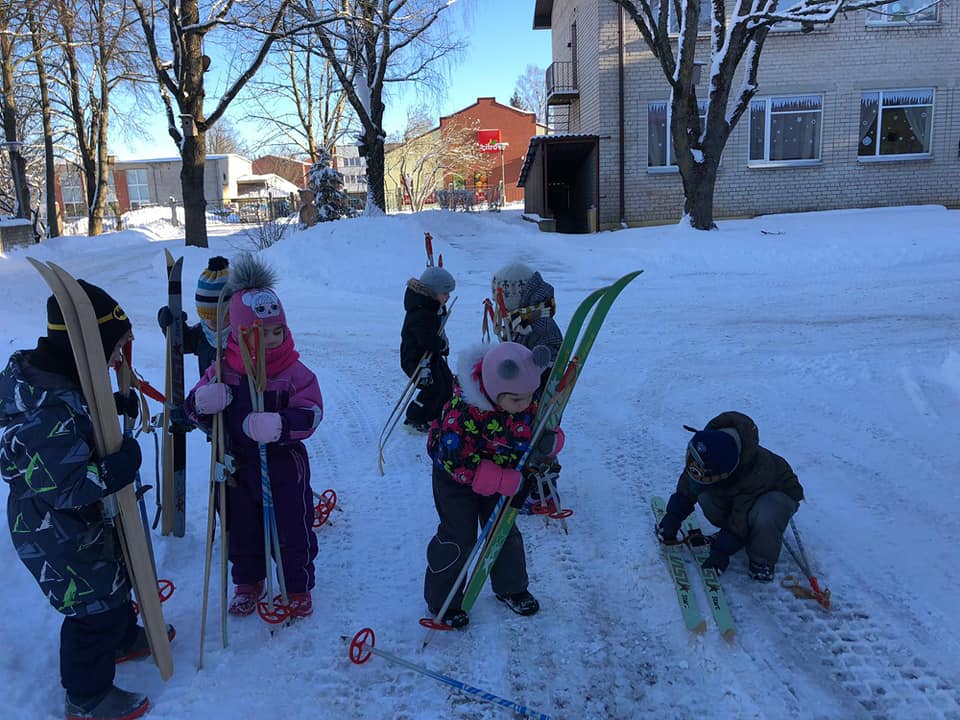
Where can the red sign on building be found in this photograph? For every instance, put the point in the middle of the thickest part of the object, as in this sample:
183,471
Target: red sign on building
488,140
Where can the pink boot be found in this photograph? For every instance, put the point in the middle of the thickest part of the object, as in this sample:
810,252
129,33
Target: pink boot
245,598
301,605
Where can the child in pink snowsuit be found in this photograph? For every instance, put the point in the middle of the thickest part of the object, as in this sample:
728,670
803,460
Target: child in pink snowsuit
293,407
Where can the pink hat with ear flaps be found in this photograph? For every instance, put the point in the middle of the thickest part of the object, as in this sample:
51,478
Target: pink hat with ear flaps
512,368
254,298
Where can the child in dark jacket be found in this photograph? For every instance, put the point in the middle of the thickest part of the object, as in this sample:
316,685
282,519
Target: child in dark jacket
293,408
425,302
476,445
744,489
57,482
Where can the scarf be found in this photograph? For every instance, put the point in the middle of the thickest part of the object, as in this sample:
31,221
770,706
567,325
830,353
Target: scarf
212,335
278,358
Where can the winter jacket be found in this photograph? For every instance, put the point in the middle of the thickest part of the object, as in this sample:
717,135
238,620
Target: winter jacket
196,343
421,328
48,457
536,328
759,471
471,429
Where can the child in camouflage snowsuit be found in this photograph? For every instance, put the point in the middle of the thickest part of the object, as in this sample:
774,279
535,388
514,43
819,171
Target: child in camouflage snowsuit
425,304
744,489
530,306
293,408
57,482
476,445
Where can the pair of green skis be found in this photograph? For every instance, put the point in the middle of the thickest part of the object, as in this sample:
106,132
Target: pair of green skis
676,561
577,343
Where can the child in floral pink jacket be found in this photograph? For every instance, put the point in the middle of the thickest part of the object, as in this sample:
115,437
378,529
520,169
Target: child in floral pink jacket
476,445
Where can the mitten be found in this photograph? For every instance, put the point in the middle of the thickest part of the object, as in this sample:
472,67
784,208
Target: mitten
717,561
128,404
117,470
668,528
490,478
211,398
165,318
263,427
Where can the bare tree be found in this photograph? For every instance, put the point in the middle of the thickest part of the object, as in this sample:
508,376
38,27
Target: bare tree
180,73
10,60
223,139
299,101
428,154
734,39
378,42
38,40
532,90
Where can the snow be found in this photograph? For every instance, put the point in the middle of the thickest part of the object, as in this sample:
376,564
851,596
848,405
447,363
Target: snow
836,331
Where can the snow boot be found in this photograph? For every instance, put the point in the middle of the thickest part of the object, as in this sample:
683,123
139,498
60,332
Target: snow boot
454,617
761,572
301,605
245,598
522,603
115,704
140,647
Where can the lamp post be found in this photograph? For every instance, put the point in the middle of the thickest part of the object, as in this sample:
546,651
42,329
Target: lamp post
503,174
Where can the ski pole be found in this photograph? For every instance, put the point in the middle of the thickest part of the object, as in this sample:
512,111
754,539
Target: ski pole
428,242
362,648
800,557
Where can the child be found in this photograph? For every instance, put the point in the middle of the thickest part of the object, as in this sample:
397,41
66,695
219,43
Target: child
744,489
293,407
57,482
530,306
475,446
202,339
425,303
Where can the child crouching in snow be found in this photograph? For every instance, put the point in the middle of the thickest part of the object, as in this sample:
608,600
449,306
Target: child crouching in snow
293,407
476,445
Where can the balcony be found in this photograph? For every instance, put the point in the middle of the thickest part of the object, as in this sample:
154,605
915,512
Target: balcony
561,81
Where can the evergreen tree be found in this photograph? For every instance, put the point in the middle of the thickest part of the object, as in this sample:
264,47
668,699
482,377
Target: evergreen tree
327,185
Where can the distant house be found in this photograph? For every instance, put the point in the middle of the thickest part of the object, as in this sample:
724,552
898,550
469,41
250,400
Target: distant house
290,169
353,168
861,113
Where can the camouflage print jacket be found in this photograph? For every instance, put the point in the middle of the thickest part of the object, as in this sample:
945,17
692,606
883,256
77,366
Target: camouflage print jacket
48,457
470,428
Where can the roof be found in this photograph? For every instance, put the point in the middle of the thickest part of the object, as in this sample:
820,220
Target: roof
493,101
537,140
543,14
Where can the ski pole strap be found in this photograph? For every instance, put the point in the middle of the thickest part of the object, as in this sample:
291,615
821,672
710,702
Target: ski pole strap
822,597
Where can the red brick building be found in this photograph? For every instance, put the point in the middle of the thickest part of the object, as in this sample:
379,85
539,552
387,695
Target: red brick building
289,169
514,127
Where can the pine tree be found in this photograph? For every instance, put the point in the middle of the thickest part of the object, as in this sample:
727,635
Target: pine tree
327,185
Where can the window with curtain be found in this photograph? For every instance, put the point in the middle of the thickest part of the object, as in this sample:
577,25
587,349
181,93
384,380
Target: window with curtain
71,190
785,129
895,122
904,12
138,188
659,142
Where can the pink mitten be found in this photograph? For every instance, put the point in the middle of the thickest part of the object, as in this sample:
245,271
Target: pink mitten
490,478
263,427
211,398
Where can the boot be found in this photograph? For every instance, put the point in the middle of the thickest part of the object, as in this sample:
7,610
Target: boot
761,572
522,603
140,647
454,617
115,704
245,598
301,604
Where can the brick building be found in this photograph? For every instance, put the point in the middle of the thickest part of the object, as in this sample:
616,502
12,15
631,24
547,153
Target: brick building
290,169
864,112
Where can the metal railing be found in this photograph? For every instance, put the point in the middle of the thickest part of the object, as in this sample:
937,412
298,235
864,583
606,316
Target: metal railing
561,80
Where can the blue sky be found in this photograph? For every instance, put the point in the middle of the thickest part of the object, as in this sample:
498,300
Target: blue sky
501,45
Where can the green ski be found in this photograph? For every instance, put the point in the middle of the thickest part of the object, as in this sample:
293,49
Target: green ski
678,571
700,547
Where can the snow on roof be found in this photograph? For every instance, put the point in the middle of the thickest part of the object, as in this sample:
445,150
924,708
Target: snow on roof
13,222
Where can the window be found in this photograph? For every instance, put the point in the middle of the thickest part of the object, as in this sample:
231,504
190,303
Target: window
659,143
137,187
895,122
904,12
71,190
703,22
785,129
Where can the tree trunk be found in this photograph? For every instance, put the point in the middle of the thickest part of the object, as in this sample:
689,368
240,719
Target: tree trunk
699,182
194,154
18,165
375,168
50,172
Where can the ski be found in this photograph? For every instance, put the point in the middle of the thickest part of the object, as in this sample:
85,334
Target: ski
81,323
174,443
700,548
678,571
577,343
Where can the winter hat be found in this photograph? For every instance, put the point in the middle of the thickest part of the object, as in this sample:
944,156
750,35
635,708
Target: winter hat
512,280
211,282
713,455
438,281
512,368
253,297
112,321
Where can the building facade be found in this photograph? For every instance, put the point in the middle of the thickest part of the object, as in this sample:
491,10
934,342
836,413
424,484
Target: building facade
290,169
861,113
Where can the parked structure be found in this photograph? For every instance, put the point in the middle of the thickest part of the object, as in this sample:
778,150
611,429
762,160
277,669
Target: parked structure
861,113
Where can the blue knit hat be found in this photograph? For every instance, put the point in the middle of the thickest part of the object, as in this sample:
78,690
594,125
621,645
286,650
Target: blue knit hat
713,455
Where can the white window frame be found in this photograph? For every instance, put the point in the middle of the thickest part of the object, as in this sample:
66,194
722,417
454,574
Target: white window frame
882,16
139,201
71,192
671,165
767,116
876,156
